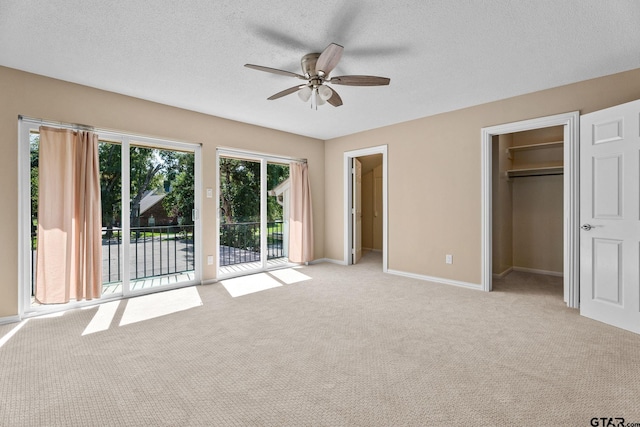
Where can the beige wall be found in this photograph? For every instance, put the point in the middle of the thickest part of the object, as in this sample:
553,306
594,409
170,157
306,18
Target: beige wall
502,204
372,208
40,97
537,223
434,175
377,206
538,205
367,210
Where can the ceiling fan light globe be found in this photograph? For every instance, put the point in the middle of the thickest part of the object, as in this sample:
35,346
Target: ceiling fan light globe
324,92
305,93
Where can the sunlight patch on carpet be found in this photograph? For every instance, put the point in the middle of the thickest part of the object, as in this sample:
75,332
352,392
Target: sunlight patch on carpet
160,304
289,276
102,319
12,332
245,285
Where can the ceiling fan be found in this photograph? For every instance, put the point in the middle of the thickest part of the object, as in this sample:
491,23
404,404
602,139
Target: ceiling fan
316,68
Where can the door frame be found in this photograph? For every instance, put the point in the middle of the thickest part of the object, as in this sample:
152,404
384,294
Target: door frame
571,180
348,202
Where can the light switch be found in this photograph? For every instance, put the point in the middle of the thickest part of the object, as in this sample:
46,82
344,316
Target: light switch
209,193
209,259
448,259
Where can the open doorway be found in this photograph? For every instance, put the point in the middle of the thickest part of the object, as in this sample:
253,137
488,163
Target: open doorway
366,206
370,209
527,211
568,123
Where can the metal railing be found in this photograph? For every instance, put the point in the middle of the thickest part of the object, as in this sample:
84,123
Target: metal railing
154,251
164,250
240,242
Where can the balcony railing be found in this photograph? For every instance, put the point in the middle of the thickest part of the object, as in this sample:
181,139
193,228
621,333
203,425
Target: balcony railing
166,250
240,242
154,251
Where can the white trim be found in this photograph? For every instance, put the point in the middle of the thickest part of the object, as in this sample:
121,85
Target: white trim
570,121
24,216
238,153
348,155
125,214
503,274
217,217
9,319
328,260
537,271
198,259
439,280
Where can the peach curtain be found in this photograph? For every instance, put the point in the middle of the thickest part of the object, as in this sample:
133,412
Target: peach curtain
301,221
69,257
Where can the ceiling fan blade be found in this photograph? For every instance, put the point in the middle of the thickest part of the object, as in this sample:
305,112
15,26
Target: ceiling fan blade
335,99
285,92
360,80
274,71
329,58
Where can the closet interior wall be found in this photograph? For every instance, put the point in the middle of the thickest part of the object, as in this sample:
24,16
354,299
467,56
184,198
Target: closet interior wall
528,210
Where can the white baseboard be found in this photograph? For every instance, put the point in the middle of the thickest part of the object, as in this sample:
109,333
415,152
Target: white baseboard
536,271
504,273
436,280
329,260
9,319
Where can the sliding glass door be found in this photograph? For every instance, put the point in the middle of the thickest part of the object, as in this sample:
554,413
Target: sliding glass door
149,216
253,213
162,216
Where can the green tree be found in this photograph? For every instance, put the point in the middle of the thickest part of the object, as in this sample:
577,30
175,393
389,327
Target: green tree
34,145
240,190
179,201
147,165
110,184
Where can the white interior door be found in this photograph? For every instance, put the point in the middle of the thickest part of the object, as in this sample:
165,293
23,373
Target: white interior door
357,210
610,216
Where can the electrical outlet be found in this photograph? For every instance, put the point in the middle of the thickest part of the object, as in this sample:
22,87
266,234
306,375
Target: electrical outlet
209,259
448,259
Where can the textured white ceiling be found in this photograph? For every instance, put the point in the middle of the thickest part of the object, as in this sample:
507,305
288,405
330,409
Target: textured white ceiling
441,55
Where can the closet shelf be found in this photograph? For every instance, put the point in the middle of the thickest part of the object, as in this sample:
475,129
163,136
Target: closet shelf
521,173
533,147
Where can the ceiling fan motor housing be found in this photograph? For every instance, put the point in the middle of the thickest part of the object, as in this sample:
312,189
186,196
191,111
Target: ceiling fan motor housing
308,63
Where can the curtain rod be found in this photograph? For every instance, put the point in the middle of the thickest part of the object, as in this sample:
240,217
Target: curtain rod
72,126
248,153
105,132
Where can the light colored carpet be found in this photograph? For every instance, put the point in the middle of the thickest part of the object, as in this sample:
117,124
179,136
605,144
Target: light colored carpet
350,347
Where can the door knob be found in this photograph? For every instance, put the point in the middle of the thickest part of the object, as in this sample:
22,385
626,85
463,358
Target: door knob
587,227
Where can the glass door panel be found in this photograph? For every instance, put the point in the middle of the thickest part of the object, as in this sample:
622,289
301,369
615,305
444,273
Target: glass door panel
162,191
277,213
110,158
240,231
